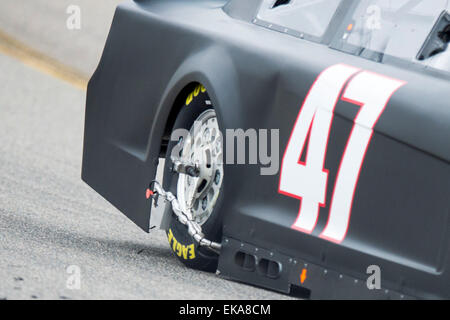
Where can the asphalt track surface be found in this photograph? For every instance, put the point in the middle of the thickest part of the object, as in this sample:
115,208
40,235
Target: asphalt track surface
49,219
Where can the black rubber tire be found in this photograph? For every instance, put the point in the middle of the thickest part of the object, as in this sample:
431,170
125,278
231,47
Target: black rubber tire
183,245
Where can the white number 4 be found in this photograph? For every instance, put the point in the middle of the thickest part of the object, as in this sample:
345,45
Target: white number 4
307,180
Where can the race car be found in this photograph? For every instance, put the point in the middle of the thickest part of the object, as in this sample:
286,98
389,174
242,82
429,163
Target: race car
305,142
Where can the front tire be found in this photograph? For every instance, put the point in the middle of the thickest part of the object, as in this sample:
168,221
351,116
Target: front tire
203,195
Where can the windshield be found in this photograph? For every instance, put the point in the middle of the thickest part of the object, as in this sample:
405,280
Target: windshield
311,17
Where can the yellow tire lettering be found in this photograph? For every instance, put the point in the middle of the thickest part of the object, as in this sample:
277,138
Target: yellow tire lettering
186,252
196,91
170,236
174,244
192,250
189,99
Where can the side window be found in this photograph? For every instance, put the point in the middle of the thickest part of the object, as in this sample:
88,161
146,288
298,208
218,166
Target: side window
307,17
411,30
435,53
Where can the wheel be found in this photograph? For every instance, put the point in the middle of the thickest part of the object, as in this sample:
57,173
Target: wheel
203,146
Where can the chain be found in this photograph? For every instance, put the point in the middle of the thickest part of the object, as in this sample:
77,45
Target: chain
186,218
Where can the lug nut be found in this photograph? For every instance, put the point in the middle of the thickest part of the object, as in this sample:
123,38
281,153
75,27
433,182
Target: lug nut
217,177
204,203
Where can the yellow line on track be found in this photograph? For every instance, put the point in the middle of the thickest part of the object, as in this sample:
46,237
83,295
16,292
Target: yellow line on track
15,49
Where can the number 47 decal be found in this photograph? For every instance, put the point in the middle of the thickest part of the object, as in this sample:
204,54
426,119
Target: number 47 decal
307,181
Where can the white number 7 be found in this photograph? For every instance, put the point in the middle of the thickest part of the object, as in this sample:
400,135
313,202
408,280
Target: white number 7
308,181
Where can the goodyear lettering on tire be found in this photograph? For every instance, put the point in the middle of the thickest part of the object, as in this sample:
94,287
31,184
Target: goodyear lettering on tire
195,93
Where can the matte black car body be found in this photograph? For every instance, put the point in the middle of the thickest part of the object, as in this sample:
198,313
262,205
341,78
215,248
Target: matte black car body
157,50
